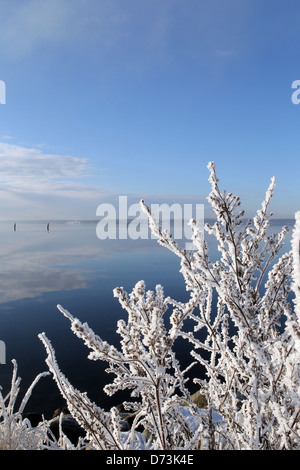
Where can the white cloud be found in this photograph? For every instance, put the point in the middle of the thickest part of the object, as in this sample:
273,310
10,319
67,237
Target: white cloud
37,185
33,183
28,169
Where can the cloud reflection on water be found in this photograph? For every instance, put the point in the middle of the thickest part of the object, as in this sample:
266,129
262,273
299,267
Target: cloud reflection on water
34,262
70,256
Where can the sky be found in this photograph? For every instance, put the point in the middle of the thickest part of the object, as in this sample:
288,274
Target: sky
135,97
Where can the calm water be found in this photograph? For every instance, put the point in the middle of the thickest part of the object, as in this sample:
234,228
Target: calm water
70,266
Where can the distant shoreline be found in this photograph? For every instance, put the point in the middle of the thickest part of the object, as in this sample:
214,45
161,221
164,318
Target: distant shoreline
275,221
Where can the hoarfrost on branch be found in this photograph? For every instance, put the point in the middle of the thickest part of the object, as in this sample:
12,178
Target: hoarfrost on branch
246,336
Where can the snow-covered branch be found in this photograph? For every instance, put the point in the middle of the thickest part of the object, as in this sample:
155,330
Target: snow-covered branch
245,336
296,261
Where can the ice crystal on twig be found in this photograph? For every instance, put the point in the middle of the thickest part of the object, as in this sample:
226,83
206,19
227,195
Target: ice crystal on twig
245,336
16,431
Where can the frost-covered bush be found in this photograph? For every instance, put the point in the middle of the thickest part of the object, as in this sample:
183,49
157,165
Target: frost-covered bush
16,432
248,344
296,261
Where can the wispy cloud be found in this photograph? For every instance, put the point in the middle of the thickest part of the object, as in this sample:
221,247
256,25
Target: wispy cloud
35,184
6,136
30,170
31,180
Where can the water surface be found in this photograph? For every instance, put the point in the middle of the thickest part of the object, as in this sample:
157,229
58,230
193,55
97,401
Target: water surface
69,265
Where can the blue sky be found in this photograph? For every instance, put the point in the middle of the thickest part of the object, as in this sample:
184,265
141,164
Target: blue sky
135,97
